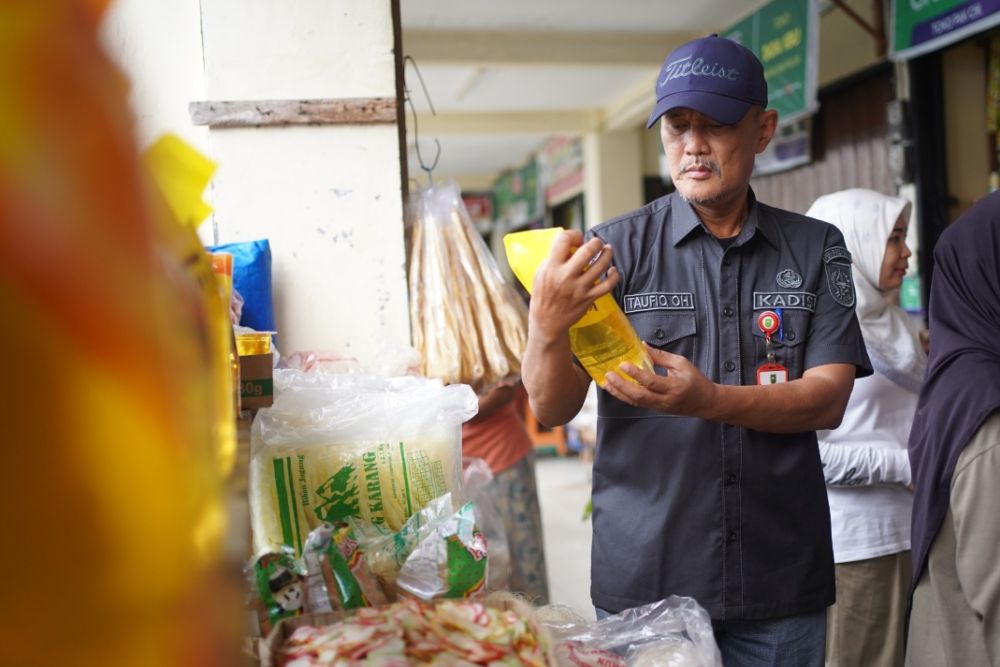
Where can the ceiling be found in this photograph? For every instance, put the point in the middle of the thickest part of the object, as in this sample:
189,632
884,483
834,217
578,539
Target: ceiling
503,76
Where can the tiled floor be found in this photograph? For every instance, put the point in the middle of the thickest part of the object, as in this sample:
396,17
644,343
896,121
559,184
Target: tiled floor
563,491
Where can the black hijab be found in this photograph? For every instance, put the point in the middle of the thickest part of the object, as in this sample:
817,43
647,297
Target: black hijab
962,385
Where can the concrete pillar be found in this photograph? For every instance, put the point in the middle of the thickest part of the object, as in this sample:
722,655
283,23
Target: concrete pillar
612,165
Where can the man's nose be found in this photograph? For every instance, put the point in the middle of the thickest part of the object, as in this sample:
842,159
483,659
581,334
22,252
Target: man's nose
696,141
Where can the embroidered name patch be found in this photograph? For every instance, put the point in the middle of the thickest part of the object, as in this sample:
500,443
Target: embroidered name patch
786,300
637,303
838,275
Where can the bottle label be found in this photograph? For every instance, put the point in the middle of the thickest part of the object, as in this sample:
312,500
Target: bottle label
600,309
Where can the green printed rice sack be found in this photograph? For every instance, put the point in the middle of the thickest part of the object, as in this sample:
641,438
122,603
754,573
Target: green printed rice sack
334,446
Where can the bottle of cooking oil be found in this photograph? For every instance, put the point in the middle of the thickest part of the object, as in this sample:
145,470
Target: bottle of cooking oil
603,338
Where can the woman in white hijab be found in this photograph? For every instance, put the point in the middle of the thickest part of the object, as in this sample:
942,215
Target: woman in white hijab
865,460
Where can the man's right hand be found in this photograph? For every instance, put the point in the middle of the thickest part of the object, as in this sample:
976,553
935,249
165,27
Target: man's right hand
568,282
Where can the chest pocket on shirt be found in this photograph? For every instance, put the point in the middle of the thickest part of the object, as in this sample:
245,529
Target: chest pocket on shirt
673,332
789,352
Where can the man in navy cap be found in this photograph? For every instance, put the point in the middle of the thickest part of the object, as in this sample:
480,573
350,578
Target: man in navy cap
707,479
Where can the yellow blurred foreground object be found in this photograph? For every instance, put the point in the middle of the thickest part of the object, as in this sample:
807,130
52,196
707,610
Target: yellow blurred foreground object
603,338
112,499
181,175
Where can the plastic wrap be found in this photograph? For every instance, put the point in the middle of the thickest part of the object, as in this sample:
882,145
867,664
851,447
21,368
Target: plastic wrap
387,360
334,446
469,324
675,632
477,476
449,560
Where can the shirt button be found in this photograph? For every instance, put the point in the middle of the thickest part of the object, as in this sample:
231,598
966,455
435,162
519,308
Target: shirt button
732,536
660,335
726,262
731,479
790,335
727,311
729,366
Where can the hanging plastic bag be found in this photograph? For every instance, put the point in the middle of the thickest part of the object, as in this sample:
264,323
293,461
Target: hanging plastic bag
603,338
334,446
469,324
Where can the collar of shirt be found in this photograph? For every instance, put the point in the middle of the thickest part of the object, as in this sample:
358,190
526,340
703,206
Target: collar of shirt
686,221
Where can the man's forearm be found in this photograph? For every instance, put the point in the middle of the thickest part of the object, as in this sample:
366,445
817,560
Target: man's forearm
556,386
812,403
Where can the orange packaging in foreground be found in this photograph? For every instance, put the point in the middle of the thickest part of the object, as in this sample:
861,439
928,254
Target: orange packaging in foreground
114,516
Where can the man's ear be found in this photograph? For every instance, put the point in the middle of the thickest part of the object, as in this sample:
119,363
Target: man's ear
768,125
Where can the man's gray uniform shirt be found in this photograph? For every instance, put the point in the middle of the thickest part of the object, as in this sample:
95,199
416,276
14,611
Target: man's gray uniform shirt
737,519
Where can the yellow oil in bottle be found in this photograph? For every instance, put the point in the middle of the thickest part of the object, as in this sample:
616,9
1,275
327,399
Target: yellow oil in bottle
253,342
604,344
603,338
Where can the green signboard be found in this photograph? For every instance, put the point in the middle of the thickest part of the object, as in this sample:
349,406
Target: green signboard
921,26
783,35
518,199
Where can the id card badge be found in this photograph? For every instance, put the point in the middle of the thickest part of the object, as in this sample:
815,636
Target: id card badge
772,374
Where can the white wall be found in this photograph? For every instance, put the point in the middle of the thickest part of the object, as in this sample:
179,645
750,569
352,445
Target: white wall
328,198
158,45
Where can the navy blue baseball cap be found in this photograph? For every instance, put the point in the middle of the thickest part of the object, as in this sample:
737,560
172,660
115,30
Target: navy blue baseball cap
712,75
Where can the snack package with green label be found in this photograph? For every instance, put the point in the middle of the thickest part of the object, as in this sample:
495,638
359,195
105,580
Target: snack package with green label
449,562
278,588
386,550
335,446
439,553
337,570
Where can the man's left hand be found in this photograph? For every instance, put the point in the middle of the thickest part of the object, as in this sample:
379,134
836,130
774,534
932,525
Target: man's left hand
684,390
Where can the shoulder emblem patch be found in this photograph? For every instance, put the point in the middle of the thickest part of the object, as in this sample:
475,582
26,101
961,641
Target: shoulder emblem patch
838,275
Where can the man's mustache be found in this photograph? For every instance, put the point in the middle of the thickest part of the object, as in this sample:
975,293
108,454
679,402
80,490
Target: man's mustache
700,164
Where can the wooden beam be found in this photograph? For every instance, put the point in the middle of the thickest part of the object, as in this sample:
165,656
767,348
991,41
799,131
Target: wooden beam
542,47
877,30
256,113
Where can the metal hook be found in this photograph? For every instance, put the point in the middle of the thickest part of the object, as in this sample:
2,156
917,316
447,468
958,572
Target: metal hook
416,131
